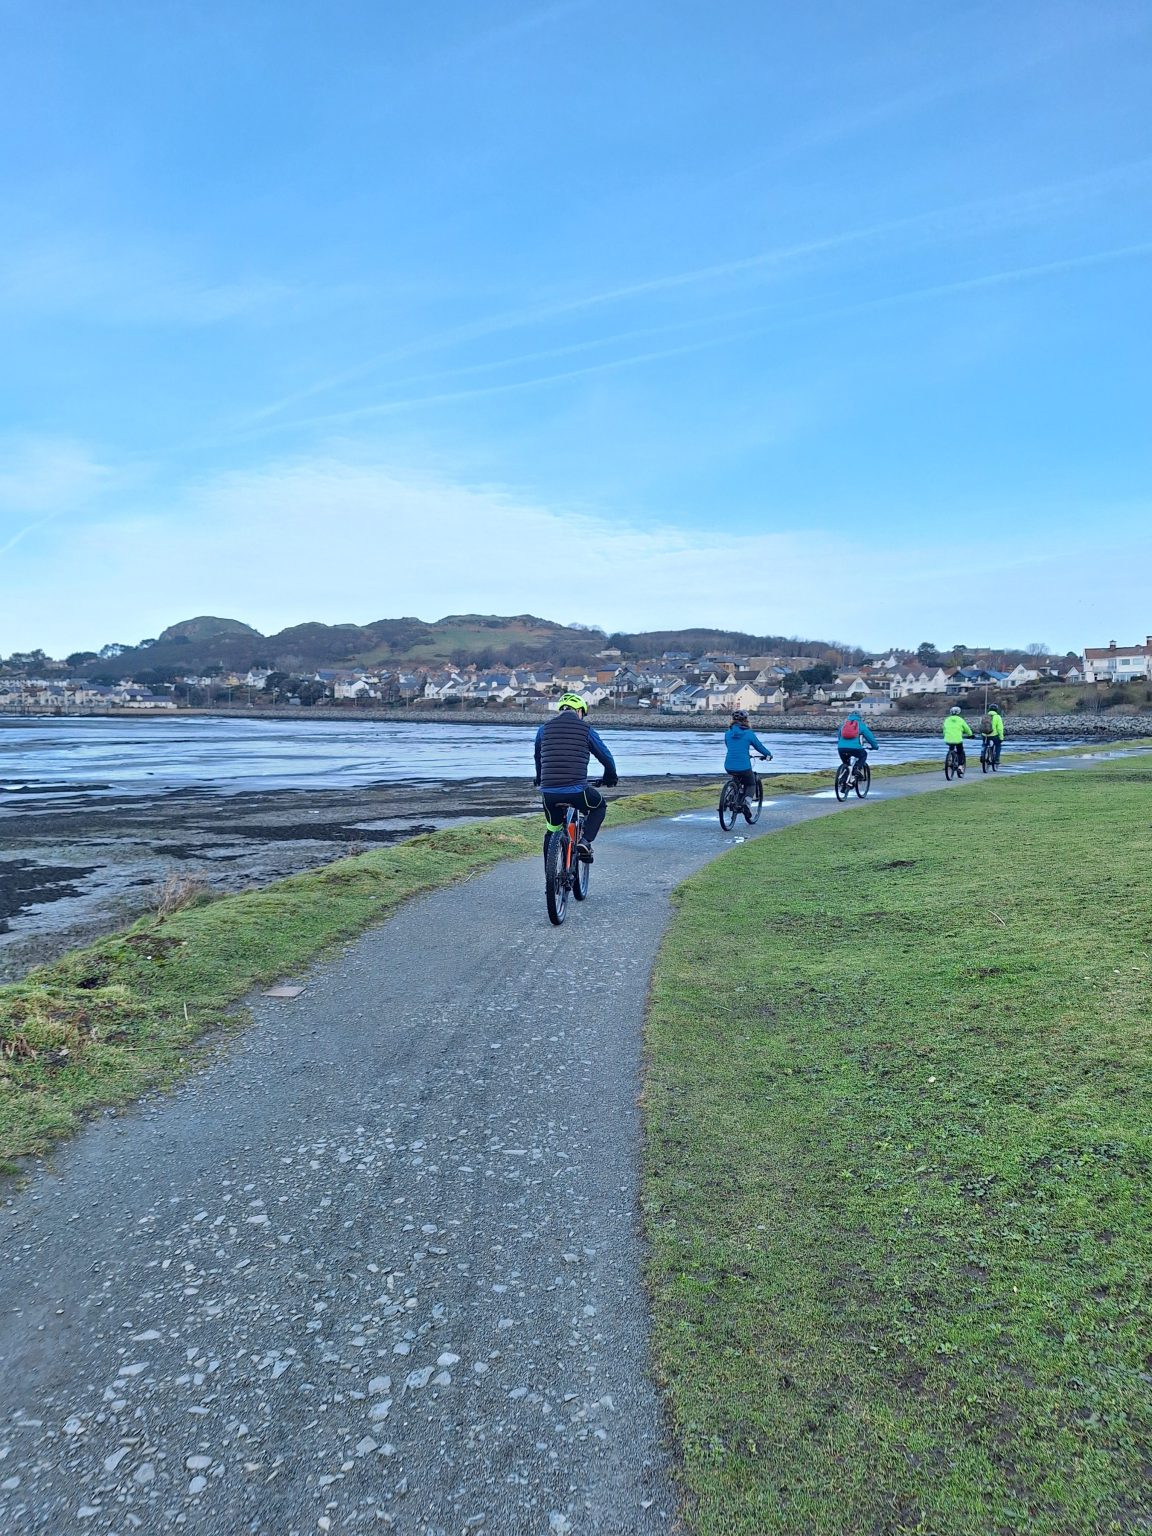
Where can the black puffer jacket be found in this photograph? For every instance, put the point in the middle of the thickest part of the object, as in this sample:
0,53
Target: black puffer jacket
563,746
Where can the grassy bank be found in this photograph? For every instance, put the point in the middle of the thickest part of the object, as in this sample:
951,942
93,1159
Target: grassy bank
899,1168
108,1021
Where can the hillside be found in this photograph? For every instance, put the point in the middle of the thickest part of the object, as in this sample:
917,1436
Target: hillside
487,639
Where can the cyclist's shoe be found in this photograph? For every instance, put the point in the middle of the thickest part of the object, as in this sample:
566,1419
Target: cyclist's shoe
747,813
584,851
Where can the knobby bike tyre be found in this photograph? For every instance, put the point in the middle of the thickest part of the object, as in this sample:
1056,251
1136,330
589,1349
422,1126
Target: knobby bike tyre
729,805
581,876
555,889
841,783
863,780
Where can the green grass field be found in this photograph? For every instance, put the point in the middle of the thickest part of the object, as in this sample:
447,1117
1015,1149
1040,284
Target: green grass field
898,1179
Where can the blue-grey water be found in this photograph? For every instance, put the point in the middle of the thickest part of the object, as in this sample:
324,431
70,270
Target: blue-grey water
231,756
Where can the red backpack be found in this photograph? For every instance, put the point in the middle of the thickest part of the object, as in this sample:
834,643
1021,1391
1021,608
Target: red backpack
850,730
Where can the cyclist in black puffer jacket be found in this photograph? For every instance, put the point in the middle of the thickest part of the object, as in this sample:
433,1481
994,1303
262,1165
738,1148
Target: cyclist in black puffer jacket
563,746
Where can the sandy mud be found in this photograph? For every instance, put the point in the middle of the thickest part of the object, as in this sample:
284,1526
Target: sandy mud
79,863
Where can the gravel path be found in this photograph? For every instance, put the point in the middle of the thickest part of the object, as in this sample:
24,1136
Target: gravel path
378,1265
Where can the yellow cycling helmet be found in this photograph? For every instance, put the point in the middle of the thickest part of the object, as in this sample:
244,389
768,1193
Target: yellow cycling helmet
572,701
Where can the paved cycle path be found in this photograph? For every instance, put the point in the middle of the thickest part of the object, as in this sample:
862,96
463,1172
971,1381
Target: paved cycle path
378,1266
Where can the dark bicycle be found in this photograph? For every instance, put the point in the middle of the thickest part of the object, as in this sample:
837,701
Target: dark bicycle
565,873
854,775
734,801
953,767
988,762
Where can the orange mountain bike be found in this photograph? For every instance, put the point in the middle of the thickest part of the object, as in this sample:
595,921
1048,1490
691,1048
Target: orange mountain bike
565,874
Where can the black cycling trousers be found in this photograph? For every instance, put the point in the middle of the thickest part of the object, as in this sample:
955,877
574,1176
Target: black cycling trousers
745,778
589,800
848,753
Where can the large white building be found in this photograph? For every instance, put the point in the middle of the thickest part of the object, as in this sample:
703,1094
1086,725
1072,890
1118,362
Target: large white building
1114,663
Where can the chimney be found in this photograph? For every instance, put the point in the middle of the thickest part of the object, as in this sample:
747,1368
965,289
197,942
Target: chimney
1111,645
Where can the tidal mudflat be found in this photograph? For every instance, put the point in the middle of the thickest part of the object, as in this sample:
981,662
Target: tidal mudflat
76,862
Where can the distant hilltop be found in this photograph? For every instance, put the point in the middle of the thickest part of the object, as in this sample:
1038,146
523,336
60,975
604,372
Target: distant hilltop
459,639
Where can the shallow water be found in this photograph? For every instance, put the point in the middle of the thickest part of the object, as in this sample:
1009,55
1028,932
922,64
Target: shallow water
231,756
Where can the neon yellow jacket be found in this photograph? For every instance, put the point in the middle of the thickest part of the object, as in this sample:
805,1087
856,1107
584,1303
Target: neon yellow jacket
955,729
997,724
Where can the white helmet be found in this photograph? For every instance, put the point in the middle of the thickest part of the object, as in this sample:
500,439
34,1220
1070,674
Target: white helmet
955,710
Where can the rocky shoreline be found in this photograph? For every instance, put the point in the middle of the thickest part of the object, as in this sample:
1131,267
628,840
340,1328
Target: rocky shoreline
1102,727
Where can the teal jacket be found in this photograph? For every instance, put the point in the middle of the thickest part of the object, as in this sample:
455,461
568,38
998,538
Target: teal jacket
738,743
854,743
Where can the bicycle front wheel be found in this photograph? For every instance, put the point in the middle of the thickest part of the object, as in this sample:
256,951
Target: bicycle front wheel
729,805
863,780
755,803
841,784
555,879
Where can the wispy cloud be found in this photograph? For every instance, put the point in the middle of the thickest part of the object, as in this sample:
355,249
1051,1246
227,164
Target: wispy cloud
272,521
124,284
946,224
42,479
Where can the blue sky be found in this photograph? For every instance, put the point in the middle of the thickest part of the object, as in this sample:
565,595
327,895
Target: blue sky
827,319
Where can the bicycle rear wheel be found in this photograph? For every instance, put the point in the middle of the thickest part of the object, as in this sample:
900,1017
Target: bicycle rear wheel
841,784
949,764
985,758
863,780
755,803
729,805
555,879
581,872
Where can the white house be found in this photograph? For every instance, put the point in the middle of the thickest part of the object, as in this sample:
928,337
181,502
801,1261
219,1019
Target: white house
910,682
1020,674
1117,663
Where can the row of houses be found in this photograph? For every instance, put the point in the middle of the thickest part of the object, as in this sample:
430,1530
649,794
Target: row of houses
20,695
675,683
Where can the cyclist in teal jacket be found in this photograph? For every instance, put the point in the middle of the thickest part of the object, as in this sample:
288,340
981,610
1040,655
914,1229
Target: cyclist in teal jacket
739,741
854,739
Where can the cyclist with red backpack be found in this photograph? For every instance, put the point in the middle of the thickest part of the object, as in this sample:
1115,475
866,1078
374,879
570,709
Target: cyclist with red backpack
854,740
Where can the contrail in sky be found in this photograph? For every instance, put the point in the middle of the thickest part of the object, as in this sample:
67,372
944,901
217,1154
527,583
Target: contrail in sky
886,301
938,223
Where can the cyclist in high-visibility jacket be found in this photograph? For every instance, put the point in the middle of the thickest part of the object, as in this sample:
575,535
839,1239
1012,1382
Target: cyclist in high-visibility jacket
997,732
955,730
562,748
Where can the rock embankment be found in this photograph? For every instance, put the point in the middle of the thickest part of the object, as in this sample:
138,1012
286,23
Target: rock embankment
1104,726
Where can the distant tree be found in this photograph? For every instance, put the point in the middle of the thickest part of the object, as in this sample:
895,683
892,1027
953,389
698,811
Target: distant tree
108,652
814,676
1038,648
28,661
77,658
311,691
142,645
276,683
927,654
